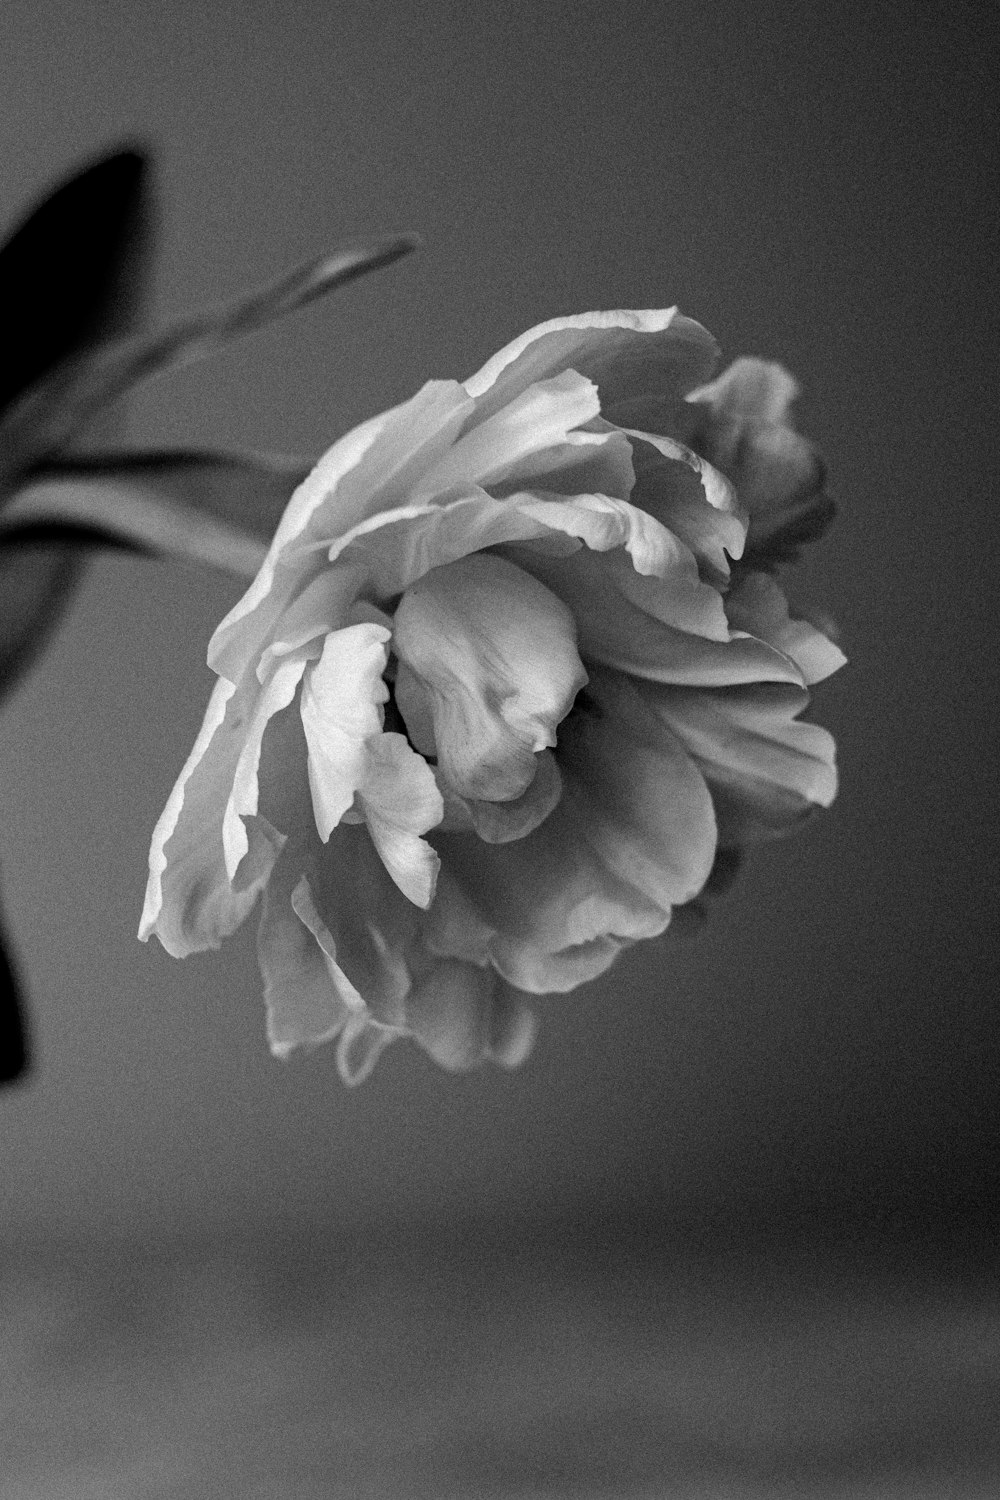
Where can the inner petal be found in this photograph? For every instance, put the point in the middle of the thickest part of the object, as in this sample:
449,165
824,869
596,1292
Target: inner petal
495,652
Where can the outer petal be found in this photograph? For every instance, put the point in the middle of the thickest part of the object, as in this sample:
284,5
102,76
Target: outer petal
273,697
190,903
641,358
766,769
392,550
529,433
373,468
758,606
496,653
649,628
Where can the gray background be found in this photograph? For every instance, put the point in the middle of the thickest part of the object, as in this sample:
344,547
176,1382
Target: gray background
814,184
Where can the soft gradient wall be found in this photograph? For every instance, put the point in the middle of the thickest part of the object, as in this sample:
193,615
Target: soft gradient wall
813,183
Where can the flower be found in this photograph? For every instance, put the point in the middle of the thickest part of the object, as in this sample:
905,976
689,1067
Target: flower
495,703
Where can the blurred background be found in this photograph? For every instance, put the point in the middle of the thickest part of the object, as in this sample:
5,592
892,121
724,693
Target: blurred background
817,193
815,184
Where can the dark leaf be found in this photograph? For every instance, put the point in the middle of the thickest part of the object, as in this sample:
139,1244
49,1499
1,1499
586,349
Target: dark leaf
13,1044
72,273
48,416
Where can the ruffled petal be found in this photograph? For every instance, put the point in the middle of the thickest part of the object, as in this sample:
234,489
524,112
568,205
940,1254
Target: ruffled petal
273,697
341,710
390,552
650,628
633,835
529,433
400,801
642,358
765,768
353,763
496,654
692,499
741,424
371,469
190,903
758,606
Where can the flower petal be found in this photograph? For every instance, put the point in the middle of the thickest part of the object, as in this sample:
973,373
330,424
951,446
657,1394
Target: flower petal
500,822
757,605
341,710
662,630
513,1028
640,357
400,801
308,998
353,763
633,835
190,903
766,769
272,698
450,1013
505,445
496,653
741,424
692,499
370,470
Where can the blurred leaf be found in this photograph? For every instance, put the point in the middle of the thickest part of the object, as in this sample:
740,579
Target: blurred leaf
13,1046
212,508
48,416
36,584
72,273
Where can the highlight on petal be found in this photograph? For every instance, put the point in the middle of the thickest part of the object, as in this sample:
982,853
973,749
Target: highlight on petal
190,903
272,698
496,654
692,499
369,471
354,765
511,442
644,358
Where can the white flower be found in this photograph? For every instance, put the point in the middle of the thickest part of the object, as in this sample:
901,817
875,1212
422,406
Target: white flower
487,712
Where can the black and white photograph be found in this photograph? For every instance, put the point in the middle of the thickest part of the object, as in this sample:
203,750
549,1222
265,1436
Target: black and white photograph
499,742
